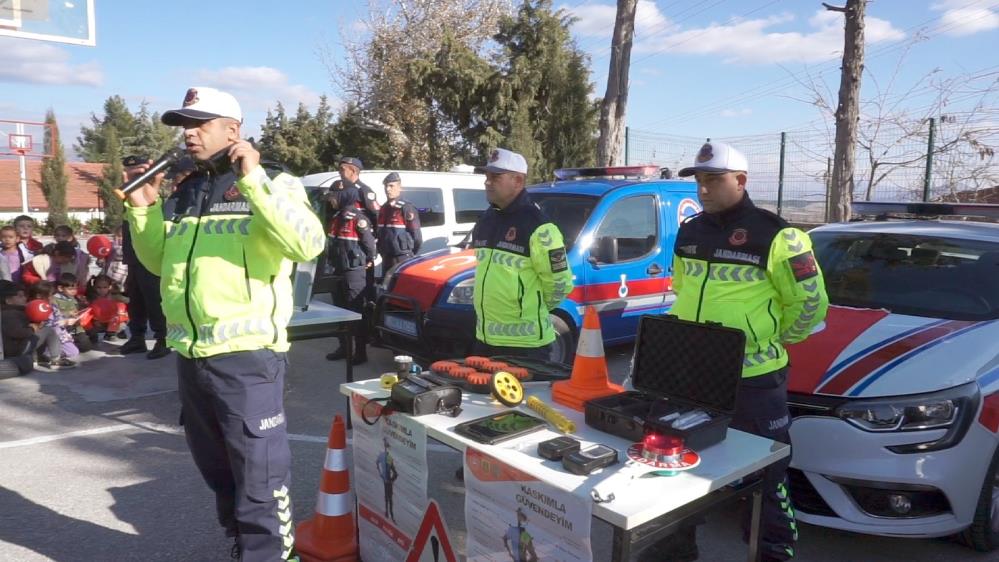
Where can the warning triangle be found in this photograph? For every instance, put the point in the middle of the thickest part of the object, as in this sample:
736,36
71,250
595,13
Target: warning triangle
432,543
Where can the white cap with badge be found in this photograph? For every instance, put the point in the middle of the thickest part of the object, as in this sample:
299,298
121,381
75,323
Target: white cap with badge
502,161
717,158
204,104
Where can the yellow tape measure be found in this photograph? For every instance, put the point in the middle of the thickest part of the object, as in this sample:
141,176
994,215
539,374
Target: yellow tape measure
388,380
507,389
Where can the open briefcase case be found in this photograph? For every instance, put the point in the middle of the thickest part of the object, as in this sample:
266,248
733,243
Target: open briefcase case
679,367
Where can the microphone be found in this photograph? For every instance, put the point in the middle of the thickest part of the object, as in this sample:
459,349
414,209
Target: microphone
163,163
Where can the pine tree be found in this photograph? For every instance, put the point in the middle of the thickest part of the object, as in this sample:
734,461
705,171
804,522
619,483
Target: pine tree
93,143
54,179
111,180
150,138
534,97
305,143
352,137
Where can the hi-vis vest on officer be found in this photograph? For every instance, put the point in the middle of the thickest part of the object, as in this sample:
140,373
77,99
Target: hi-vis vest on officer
746,268
224,250
522,273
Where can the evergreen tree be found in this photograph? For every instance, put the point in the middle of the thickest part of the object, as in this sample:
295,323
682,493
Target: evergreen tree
54,179
149,137
305,143
93,142
533,97
111,180
352,137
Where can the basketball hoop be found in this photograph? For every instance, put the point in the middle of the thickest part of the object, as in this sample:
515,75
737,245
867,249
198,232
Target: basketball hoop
19,143
27,139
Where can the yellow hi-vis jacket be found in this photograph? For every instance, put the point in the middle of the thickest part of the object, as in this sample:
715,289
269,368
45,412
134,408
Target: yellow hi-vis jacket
522,273
746,268
223,250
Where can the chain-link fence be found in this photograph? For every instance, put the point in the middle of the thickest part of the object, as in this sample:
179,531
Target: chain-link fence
948,157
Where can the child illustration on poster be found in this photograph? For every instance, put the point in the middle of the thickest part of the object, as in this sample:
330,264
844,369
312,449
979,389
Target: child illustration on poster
543,522
518,541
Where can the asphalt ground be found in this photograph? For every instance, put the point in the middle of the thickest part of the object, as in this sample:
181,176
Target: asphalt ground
93,467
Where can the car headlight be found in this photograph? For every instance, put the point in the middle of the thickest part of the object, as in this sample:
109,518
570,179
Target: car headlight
462,293
950,409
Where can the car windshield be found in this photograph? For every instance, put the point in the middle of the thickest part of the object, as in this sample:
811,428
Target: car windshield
568,212
911,274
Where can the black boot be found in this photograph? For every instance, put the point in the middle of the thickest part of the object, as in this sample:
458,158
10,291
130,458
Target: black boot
360,353
340,353
136,344
159,350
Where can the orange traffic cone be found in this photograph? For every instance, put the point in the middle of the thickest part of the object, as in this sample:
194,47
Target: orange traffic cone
331,536
589,371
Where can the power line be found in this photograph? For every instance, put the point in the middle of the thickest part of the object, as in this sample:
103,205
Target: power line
596,40
771,87
665,29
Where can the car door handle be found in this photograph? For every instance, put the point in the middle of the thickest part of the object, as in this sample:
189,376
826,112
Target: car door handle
654,269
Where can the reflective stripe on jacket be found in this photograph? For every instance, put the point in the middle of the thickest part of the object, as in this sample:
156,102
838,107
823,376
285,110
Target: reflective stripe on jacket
746,268
224,251
522,273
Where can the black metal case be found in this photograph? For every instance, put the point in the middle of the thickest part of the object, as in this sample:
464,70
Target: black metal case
679,366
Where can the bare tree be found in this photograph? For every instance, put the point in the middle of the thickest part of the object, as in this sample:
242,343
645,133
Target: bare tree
848,109
893,132
379,49
615,102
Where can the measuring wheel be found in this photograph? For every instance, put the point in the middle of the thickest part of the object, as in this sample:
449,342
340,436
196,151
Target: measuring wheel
507,389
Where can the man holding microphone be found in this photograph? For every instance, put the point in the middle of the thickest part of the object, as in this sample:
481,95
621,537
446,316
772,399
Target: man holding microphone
223,244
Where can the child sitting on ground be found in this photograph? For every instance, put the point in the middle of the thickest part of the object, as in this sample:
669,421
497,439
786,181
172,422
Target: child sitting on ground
65,299
102,287
44,290
13,256
81,262
21,338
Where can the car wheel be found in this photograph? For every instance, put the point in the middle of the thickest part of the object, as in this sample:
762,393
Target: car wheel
563,349
8,369
983,534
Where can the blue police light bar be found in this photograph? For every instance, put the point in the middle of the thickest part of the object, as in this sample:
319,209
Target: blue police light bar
886,208
643,171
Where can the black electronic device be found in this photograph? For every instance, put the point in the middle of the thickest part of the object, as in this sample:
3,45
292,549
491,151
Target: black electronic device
499,427
679,367
418,396
586,461
555,449
164,162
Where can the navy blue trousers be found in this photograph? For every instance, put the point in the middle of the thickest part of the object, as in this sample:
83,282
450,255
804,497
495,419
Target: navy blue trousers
233,417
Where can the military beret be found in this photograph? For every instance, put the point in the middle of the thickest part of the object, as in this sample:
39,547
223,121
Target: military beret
394,176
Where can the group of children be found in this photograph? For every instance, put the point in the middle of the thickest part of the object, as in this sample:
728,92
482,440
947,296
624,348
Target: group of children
58,274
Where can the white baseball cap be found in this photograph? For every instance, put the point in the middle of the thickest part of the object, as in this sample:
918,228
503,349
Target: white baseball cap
204,104
501,161
716,158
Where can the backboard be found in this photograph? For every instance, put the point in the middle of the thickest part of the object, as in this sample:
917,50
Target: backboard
62,21
25,138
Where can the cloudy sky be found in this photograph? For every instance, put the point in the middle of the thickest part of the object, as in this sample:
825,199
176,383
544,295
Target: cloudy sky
699,67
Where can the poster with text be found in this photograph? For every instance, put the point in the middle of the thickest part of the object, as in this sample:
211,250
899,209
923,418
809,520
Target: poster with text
512,516
390,480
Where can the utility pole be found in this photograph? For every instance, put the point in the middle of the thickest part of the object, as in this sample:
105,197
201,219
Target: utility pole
615,102
847,110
